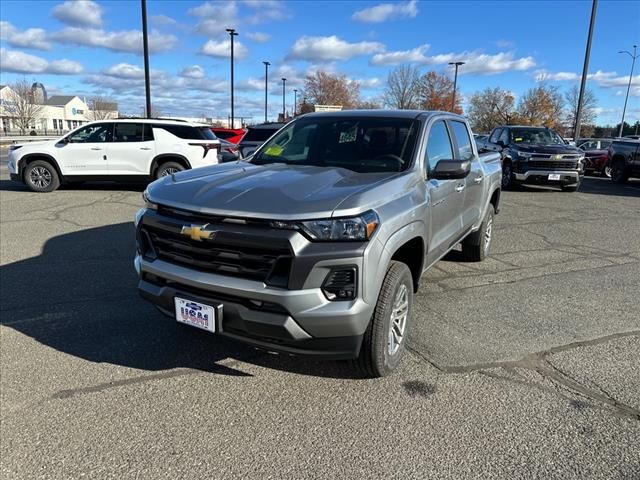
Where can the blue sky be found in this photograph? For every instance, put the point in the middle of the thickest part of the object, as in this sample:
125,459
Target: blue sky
86,48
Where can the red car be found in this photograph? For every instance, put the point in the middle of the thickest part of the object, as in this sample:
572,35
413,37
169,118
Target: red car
233,135
596,156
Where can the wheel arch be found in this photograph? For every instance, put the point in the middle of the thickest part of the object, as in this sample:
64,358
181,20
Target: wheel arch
32,157
168,157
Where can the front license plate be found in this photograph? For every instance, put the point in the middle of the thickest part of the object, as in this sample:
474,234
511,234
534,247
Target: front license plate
195,314
554,176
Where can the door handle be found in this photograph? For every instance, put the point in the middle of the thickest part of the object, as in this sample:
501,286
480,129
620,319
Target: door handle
96,148
460,187
145,148
478,179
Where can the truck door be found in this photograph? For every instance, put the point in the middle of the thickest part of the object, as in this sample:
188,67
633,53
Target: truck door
446,197
463,150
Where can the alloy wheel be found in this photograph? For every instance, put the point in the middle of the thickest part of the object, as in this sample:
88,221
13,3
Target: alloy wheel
40,177
398,322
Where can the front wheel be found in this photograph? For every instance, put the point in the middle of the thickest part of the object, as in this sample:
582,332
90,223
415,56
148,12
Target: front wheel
385,340
41,176
507,176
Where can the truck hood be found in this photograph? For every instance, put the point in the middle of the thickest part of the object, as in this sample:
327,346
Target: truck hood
548,149
274,191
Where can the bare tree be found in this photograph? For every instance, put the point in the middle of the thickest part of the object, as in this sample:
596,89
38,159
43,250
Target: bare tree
589,104
372,104
541,105
102,108
402,89
436,93
22,105
490,108
324,88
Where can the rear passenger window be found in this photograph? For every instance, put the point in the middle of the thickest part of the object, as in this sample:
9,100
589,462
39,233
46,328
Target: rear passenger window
188,132
438,145
128,132
465,152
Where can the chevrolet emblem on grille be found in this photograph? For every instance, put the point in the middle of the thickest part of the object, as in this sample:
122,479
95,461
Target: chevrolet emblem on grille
557,157
198,232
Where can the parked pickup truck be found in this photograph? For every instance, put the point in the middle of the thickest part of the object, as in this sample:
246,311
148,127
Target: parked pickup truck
624,158
536,155
316,243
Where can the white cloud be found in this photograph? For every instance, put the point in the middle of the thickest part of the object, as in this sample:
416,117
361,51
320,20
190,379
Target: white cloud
20,62
475,62
215,17
330,48
370,82
193,71
222,49
162,20
125,71
387,11
31,38
84,13
600,78
119,41
259,37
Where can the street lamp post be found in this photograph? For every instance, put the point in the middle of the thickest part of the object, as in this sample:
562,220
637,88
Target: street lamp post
284,110
455,82
266,83
633,64
145,51
295,101
232,33
585,70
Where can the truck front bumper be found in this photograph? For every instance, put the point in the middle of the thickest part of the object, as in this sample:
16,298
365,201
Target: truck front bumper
567,177
302,322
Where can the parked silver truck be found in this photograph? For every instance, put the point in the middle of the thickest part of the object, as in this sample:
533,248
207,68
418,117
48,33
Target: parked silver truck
317,242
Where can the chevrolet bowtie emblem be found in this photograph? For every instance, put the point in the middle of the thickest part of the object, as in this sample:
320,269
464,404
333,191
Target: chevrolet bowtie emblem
558,157
198,233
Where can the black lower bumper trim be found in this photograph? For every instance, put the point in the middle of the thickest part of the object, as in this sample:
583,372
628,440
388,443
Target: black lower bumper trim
15,177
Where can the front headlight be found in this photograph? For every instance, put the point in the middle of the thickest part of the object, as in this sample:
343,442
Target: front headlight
524,155
148,203
358,228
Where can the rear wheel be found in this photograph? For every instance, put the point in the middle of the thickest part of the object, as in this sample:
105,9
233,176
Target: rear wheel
475,247
618,172
385,340
41,176
168,168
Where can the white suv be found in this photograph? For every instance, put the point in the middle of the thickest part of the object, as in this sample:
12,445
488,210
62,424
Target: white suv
119,150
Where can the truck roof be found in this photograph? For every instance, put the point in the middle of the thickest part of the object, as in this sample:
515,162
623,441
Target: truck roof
412,114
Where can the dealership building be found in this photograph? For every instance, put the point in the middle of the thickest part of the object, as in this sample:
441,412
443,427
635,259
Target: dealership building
56,114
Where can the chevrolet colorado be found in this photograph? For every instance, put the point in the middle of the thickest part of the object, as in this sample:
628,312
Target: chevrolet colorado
536,155
316,243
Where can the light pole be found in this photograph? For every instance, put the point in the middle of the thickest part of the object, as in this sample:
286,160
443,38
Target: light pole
295,101
633,64
145,51
284,111
585,70
232,33
455,82
266,83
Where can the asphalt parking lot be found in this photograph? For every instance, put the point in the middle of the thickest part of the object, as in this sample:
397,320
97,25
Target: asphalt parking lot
524,366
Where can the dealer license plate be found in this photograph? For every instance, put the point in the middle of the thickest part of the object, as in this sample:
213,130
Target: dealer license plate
554,176
195,314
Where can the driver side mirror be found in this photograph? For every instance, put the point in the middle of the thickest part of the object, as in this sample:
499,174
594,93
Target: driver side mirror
451,169
64,141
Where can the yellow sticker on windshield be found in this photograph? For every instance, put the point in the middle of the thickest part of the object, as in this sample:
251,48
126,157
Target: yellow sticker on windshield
274,151
518,139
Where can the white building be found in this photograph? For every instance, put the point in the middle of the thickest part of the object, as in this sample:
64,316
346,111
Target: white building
59,113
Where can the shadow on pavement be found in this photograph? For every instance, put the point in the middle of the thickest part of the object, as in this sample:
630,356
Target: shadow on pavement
79,297
11,186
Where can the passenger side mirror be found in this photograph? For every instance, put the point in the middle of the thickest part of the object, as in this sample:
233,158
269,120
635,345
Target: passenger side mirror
451,169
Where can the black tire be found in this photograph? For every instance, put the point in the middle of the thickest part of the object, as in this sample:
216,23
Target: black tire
378,355
168,168
619,173
475,247
507,176
41,176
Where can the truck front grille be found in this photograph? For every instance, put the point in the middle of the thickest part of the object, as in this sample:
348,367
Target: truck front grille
553,165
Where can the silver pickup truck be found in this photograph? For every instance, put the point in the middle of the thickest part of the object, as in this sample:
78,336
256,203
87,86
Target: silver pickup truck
316,244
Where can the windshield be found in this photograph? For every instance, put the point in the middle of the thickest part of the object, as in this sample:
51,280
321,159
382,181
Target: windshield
360,144
536,136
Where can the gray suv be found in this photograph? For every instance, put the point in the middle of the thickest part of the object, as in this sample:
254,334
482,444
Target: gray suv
316,244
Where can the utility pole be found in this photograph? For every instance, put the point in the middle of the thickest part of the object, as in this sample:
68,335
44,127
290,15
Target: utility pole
585,70
266,84
232,33
284,108
455,82
624,110
295,101
145,52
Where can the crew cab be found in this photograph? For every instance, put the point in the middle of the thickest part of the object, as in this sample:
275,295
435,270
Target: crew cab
117,150
316,243
624,158
536,155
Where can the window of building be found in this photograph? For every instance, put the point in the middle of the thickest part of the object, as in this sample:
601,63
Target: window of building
55,124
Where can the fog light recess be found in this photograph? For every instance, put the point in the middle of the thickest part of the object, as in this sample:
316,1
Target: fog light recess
340,284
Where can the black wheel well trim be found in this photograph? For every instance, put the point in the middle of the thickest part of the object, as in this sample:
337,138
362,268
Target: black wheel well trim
168,157
32,157
412,254
495,200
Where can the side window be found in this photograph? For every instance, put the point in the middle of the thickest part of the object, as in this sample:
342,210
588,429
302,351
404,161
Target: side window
504,136
438,145
465,152
495,135
128,132
147,133
97,133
